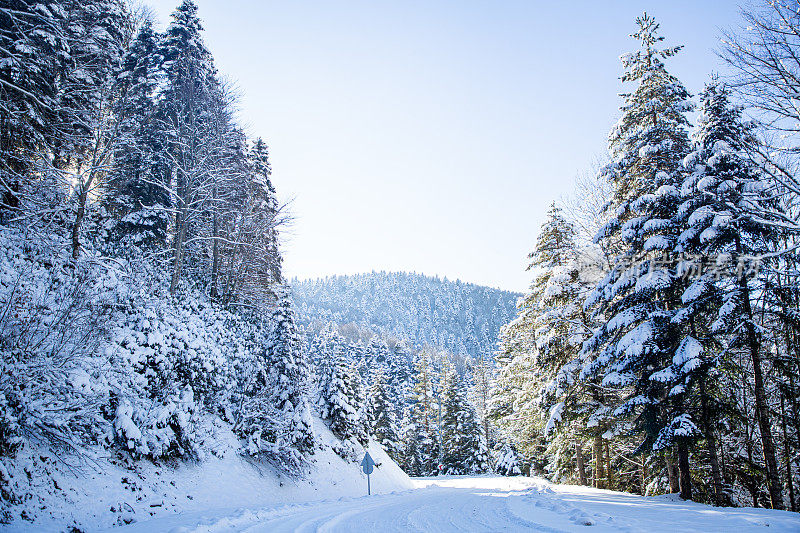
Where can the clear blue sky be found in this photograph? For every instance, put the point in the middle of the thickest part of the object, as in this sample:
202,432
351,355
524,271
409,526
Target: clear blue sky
430,136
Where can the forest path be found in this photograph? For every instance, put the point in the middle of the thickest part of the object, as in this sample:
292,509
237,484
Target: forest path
487,504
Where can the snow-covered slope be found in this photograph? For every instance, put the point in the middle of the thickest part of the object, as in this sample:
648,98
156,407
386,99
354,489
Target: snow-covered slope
105,494
461,317
485,504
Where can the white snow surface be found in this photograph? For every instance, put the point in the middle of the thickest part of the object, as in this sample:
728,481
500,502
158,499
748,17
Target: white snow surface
159,498
482,503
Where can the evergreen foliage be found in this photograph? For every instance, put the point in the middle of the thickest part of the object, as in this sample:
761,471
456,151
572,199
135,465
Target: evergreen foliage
458,317
464,450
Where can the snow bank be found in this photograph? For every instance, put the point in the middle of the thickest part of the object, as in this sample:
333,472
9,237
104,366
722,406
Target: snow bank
103,493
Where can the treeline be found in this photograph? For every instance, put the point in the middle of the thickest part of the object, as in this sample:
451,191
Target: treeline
142,305
662,355
428,416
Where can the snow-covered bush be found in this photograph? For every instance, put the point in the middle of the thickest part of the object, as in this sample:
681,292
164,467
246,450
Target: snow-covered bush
506,461
53,314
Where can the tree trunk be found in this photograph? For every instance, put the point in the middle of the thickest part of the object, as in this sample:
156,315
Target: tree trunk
674,485
79,216
711,444
177,263
762,409
608,464
788,458
644,476
685,472
597,456
76,227
579,463
215,255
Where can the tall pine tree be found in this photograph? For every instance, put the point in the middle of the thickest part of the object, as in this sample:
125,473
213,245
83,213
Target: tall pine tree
637,301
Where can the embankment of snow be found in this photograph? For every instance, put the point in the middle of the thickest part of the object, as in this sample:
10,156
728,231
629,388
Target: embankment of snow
102,493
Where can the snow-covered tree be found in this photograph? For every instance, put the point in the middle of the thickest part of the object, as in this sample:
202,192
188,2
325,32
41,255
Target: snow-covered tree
411,458
276,418
35,50
637,301
728,228
187,124
506,461
343,400
420,431
382,415
138,188
464,450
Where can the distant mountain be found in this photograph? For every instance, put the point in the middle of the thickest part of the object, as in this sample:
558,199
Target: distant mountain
461,317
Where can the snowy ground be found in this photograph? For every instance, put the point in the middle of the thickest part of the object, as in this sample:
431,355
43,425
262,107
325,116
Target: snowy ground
484,504
155,498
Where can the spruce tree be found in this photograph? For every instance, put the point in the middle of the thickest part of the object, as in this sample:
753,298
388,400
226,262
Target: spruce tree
562,401
288,379
542,339
464,450
344,406
383,420
265,212
732,219
506,461
137,191
422,416
638,299
411,454
35,55
186,115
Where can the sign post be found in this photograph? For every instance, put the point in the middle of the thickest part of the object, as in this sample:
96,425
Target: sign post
367,465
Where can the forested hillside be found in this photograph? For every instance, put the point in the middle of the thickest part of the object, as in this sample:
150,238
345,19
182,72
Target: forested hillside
459,317
144,318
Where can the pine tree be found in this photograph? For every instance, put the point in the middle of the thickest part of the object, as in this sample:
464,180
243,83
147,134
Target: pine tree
343,401
411,454
137,192
383,420
97,30
506,461
562,401
731,218
479,396
422,417
542,339
464,450
329,348
187,123
639,298
288,380
266,207
34,55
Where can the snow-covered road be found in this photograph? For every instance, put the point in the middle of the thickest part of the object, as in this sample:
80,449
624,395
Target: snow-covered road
486,504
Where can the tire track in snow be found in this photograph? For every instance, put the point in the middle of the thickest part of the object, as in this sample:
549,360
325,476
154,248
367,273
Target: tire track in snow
438,509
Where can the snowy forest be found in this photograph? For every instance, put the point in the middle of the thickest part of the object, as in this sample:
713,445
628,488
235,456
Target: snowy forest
145,315
143,302
462,318
144,309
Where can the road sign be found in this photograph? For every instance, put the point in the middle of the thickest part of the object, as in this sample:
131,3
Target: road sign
368,466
